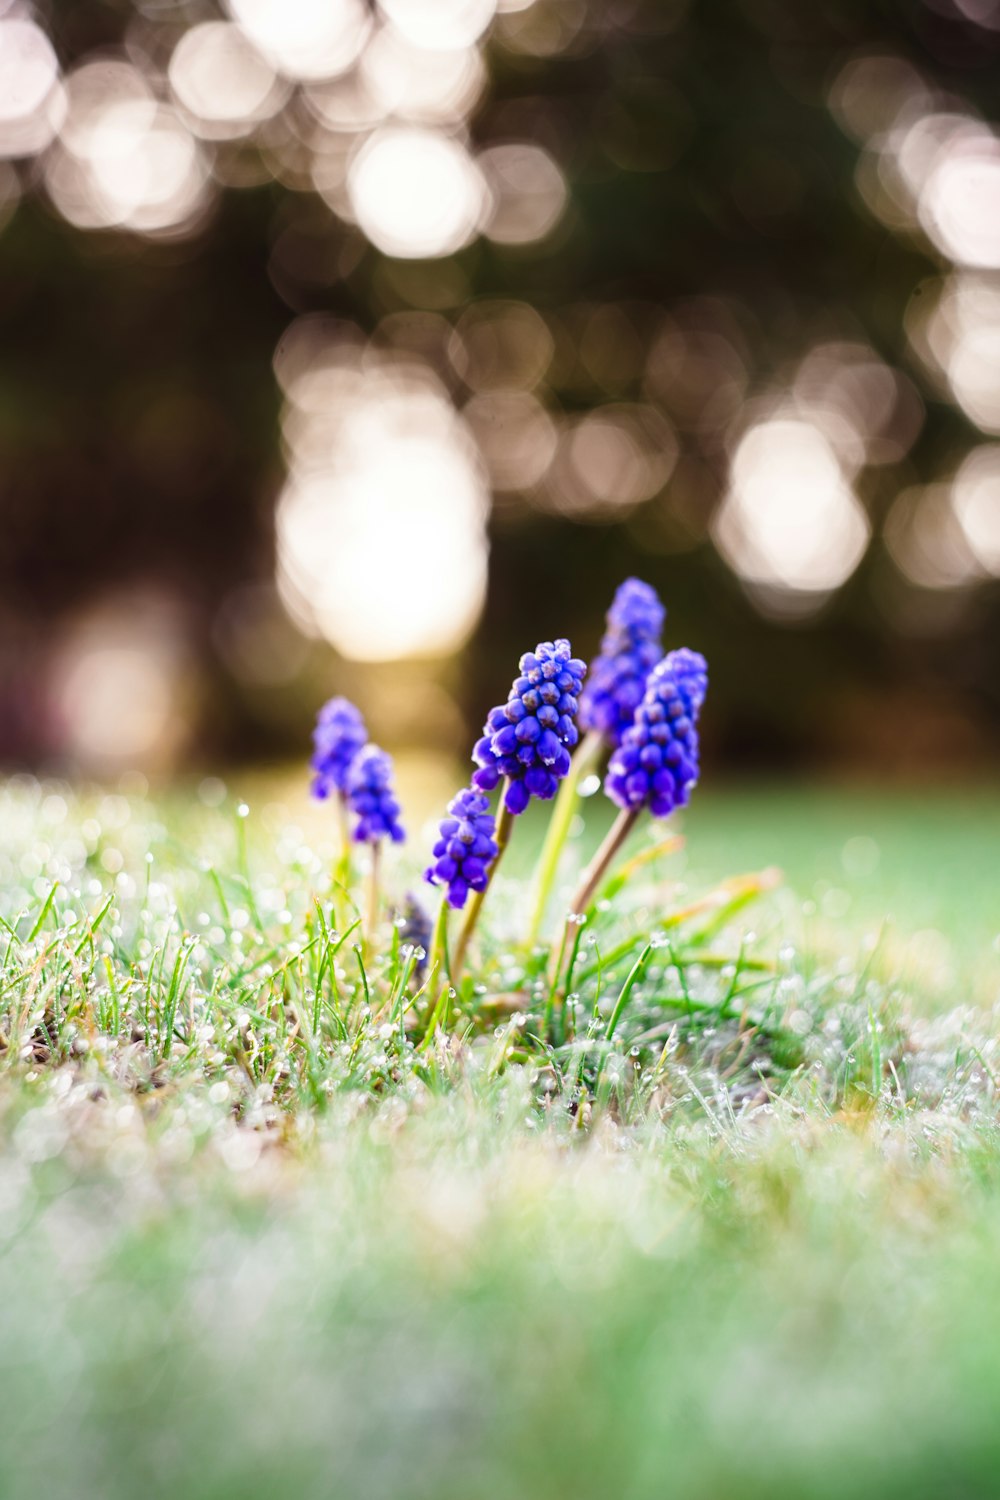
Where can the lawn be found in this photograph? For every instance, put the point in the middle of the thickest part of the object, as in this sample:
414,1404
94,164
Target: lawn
266,1233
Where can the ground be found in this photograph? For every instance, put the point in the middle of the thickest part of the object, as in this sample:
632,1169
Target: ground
264,1235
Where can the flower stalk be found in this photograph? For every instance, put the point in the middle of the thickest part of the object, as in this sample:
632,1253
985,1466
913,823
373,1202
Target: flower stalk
586,760
591,879
342,864
437,962
373,901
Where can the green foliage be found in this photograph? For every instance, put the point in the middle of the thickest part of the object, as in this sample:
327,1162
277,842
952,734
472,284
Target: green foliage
727,1225
247,971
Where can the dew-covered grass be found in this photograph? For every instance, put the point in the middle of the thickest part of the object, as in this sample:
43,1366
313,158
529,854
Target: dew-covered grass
717,1217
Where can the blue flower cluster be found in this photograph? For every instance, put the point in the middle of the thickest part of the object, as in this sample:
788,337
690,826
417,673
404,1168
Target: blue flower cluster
630,649
656,764
371,798
528,738
416,929
466,849
339,734
691,671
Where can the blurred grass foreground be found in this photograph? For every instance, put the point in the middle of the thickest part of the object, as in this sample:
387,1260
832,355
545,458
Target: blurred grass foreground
258,1240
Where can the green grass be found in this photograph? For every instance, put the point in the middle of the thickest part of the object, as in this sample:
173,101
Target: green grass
728,1225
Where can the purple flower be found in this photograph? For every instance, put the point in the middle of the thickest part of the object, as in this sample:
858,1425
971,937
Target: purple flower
656,764
691,673
466,849
630,649
528,738
417,930
339,734
371,798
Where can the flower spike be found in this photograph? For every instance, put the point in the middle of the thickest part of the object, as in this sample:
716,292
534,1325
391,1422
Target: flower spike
339,734
467,847
527,740
371,798
630,649
656,764
654,767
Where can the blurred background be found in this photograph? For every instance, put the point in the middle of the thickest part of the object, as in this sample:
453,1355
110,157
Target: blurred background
355,346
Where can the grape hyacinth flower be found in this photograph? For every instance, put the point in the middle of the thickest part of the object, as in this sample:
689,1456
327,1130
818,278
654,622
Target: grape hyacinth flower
630,648
467,847
527,740
371,798
654,767
416,931
339,734
656,764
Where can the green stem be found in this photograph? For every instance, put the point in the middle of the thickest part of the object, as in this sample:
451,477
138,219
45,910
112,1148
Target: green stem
342,865
371,920
437,959
592,877
505,823
588,754
626,990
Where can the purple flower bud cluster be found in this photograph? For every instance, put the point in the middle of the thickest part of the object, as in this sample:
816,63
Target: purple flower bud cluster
656,764
417,930
630,649
691,671
339,734
528,738
371,798
466,849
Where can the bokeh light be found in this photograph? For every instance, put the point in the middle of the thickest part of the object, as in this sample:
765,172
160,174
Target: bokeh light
957,333
31,98
381,528
556,293
411,82
416,193
926,541
696,368
527,190
611,460
976,499
960,203
516,436
501,345
306,39
790,522
121,689
125,159
870,413
440,23
221,82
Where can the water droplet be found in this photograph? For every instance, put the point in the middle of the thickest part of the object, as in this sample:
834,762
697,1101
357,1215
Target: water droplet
242,810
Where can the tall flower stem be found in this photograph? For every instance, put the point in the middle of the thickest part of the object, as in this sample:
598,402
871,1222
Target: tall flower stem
372,906
437,962
591,879
588,754
505,823
342,865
